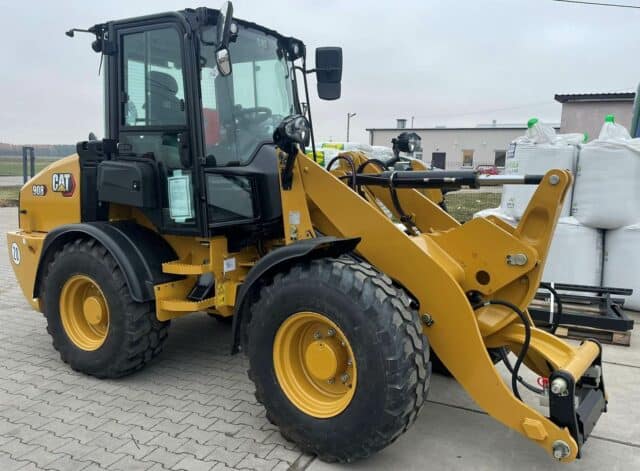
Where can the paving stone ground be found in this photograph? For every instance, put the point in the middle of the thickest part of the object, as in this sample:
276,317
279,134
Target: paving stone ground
193,409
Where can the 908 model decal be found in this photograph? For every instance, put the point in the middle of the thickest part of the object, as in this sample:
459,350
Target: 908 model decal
38,190
63,183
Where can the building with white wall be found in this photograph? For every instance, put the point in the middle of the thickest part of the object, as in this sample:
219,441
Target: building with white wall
458,147
467,147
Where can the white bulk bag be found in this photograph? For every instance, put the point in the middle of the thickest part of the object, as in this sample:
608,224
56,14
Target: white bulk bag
535,159
575,256
540,133
622,262
607,188
611,130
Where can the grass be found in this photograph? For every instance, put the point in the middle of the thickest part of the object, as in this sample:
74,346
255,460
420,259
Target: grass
9,196
463,204
12,166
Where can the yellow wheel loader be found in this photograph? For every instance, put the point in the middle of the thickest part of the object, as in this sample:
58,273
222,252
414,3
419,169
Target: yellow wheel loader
200,199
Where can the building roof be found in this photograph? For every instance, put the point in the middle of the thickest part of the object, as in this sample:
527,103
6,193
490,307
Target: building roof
587,97
507,127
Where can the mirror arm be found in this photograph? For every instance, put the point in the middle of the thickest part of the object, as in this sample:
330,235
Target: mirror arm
304,71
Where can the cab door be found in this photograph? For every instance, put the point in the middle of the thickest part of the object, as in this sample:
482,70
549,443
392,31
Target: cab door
155,119
240,112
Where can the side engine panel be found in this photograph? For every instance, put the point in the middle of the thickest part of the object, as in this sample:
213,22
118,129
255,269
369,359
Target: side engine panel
52,197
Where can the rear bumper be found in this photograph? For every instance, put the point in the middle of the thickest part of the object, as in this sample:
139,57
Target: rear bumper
24,253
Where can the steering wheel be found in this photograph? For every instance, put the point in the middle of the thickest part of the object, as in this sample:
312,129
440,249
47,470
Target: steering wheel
252,116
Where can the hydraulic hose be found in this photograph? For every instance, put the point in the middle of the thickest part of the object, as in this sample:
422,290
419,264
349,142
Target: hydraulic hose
377,162
525,344
404,217
505,358
363,165
349,160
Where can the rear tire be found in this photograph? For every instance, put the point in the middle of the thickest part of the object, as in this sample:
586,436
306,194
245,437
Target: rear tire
129,338
375,320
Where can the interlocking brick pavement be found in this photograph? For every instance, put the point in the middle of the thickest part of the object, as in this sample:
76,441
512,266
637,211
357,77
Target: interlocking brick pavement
193,408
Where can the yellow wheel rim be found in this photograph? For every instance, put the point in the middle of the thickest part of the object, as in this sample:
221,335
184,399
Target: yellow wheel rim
84,312
314,364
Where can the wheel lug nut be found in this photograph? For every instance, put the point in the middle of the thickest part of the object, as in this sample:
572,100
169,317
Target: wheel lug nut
331,380
317,335
331,332
344,378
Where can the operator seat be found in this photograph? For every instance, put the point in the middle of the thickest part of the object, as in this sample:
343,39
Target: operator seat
165,107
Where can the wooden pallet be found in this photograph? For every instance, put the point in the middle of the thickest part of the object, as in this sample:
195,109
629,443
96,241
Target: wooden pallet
604,336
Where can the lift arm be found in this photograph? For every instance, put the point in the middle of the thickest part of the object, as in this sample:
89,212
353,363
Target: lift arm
492,260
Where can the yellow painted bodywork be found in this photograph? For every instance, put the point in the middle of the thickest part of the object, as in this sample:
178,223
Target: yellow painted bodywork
30,246
84,312
437,262
54,209
444,261
314,364
40,213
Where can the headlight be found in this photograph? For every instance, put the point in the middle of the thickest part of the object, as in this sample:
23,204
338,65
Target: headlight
407,142
297,129
292,129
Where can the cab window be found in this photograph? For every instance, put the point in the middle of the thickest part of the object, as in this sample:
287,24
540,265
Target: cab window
153,79
241,111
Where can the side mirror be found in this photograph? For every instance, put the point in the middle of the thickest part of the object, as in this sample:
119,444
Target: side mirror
223,61
329,72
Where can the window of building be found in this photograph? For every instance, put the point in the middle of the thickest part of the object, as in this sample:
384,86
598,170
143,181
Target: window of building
467,157
499,158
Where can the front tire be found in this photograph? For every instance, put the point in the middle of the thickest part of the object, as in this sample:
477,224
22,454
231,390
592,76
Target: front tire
95,325
338,358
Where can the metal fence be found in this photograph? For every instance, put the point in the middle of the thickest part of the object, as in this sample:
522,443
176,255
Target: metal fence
28,153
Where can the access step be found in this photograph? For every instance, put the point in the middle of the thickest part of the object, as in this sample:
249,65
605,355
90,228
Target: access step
184,305
180,267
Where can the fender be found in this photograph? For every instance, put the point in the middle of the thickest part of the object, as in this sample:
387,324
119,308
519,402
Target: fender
278,259
138,251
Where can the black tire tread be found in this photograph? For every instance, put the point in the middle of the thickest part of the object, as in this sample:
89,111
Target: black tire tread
409,369
145,334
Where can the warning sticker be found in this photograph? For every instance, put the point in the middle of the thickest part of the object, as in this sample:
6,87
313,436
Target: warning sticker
15,253
229,265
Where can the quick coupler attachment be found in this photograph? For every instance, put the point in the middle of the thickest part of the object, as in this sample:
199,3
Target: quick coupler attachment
577,403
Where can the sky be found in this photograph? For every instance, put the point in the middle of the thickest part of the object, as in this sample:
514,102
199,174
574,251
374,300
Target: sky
442,62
